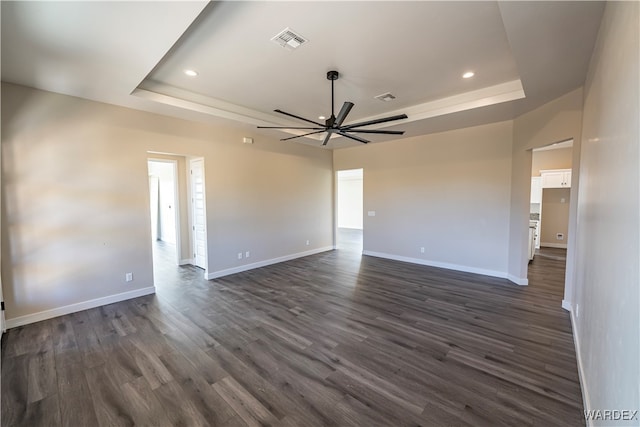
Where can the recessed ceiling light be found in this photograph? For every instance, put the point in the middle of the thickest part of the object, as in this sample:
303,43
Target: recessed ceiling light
468,75
191,73
322,117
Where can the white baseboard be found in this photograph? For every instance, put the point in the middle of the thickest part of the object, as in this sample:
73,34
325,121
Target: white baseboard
554,245
566,305
438,264
73,308
186,261
245,267
586,402
522,281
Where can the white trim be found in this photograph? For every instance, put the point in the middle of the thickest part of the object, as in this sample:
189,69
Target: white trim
581,376
241,268
80,306
521,281
446,265
553,245
170,95
566,305
185,261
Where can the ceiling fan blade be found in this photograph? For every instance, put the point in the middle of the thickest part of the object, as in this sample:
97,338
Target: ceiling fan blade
376,121
381,132
356,138
326,138
300,136
346,108
298,117
287,127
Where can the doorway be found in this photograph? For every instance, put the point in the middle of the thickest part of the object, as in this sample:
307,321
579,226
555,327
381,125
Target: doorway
163,208
349,210
549,213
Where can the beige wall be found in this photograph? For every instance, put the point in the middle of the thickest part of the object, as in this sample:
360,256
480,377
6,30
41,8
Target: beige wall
551,159
558,120
76,198
555,216
447,192
607,281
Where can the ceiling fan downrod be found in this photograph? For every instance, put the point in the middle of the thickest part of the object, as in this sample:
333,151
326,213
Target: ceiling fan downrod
333,76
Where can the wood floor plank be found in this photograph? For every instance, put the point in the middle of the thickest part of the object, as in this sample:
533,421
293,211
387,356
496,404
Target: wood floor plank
180,410
333,339
269,394
14,398
43,413
143,404
244,404
63,335
42,375
205,399
110,405
76,408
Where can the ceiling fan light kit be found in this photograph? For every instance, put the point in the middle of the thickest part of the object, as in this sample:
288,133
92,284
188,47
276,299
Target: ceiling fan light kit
334,124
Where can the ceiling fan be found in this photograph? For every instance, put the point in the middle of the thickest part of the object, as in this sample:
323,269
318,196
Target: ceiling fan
335,124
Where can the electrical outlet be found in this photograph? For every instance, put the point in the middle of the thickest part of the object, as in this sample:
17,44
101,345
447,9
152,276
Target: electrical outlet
128,277
239,255
371,213
307,243
559,236
422,250
247,254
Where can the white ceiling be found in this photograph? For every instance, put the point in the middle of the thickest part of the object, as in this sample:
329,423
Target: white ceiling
134,54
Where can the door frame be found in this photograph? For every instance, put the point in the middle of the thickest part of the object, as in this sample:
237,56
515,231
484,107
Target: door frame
176,203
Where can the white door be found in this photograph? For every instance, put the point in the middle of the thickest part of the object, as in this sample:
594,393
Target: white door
199,231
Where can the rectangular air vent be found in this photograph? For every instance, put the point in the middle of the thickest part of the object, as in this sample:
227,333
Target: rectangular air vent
289,39
386,97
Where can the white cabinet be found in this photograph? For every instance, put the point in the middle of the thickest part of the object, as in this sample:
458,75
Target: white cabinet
536,235
536,189
532,242
556,178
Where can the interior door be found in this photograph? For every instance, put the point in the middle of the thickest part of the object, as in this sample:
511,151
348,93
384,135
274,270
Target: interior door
199,214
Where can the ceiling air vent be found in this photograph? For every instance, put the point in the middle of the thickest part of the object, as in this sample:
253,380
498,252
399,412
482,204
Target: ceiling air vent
289,39
386,97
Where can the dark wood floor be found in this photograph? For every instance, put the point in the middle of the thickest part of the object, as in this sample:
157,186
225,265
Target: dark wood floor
330,339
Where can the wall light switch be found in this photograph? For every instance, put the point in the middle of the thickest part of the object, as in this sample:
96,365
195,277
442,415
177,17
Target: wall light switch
239,255
371,213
